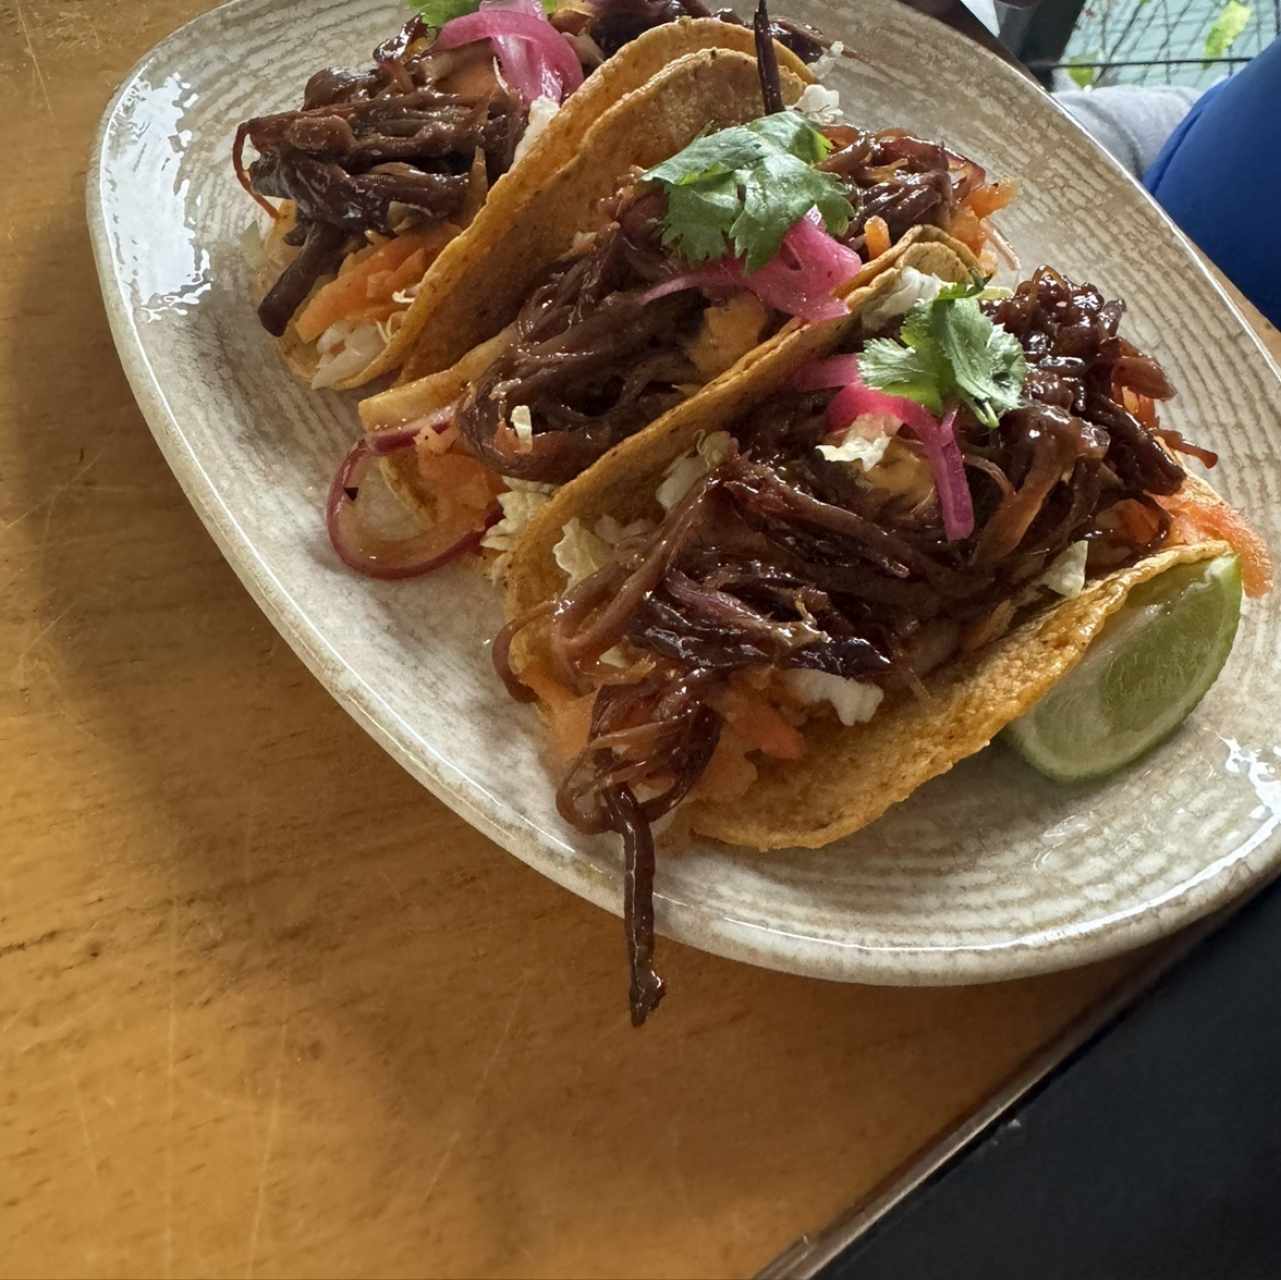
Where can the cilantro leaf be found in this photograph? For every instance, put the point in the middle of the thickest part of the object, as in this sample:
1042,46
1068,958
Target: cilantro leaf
776,193
438,12
918,373
791,132
948,350
698,215
744,187
987,361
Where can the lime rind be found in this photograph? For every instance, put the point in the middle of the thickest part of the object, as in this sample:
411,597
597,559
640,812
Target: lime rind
1153,663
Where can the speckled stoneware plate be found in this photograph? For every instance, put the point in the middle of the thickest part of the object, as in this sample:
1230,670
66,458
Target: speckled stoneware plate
986,873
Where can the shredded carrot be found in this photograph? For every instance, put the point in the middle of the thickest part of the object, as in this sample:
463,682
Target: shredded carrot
729,774
990,197
460,484
967,228
1142,407
350,291
758,722
374,311
383,285
570,716
1197,517
877,233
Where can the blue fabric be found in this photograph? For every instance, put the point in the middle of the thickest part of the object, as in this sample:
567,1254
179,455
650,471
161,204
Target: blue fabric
1219,178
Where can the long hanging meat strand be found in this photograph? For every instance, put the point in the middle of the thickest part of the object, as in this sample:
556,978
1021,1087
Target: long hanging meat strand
780,558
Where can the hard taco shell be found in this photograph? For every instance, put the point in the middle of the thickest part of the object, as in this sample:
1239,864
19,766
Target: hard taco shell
849,776
512,203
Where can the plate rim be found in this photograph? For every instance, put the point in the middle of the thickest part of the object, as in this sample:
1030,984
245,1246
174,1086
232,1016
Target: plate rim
1045,950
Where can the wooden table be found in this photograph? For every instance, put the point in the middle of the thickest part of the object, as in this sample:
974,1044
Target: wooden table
266,1007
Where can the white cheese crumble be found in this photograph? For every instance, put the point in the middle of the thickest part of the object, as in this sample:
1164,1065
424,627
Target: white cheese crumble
683,474
523,426
854,701
541,111
913,286
820,105
1065,574
856,448
827,60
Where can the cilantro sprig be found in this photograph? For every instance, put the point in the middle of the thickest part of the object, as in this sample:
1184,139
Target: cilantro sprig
740,190
438,12
948,350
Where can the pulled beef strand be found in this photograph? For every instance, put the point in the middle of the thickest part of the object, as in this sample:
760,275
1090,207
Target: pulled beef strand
369,148
591,360
616,22
594,363
904,180
781,558
767,61
646,989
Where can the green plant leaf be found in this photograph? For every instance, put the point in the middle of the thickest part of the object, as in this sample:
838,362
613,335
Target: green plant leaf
1083,76
1231,21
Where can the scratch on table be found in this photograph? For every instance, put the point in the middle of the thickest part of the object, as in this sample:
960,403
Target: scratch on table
503,1036
91,1155
395,893
50,499
273,1119
20,663
169,1077
31,53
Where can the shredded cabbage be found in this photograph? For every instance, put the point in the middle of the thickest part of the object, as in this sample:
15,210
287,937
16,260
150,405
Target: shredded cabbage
865,441
523,500
580,552
828,60
683,474
1065,574
359,347
913,286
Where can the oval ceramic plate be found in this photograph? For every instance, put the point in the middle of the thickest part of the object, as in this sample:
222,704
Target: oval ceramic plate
988,872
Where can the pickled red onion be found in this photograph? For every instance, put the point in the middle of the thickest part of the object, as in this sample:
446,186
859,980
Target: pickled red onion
372,554
799,281
942,453
536,59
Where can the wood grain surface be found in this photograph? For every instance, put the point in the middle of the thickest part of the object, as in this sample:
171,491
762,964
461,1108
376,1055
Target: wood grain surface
267,1008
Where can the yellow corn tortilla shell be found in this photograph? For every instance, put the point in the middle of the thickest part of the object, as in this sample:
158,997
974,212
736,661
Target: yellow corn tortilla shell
622,483
926,248
513,198
400,469
477,285
849,775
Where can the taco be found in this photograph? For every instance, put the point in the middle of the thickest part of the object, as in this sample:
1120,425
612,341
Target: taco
665,257
825,581
380,170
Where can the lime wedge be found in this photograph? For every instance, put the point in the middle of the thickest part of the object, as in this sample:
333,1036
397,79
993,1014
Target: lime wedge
1152,664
